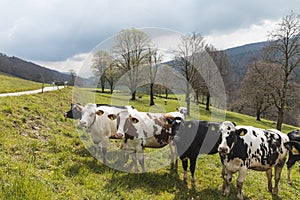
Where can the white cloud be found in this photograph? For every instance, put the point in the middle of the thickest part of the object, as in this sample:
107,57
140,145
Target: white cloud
255,33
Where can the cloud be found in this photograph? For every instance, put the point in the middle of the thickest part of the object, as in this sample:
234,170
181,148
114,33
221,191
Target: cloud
55,30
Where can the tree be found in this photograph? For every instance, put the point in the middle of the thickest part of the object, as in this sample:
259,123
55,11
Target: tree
190,45
283,51
73,76
112,74
255,92
131,50
101,61
167,78
152,62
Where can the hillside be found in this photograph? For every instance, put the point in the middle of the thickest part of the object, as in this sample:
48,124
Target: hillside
29,71
242,56
13,84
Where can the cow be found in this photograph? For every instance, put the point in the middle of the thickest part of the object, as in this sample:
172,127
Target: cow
75,113
294,152
144,130
96,120
193,138
246,147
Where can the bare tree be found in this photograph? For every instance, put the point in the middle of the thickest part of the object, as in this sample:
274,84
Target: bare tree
152,62
255,92
283,51
167,78
190,45
101,61
130,52
112,74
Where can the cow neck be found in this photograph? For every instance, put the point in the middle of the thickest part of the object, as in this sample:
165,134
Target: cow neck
88,129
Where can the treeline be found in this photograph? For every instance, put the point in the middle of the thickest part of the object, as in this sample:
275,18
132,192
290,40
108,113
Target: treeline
30,71
270,88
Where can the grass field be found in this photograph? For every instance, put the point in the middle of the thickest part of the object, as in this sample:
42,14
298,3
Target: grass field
43,156
13,84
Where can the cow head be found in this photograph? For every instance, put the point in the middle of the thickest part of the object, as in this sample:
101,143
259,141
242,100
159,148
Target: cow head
89,113
229,136
178,127
74,112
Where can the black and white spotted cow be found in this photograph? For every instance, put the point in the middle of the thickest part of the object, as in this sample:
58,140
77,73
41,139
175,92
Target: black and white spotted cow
193,138
294,152
246,147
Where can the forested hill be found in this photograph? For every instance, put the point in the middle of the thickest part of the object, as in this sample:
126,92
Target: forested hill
242,56
30,71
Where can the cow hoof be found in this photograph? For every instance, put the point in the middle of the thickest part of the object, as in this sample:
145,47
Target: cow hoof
240,197
193,182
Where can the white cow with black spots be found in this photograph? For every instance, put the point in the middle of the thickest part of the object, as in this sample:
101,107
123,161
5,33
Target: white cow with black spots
246,147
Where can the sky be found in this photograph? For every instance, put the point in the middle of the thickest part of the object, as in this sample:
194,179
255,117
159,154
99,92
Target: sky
59,34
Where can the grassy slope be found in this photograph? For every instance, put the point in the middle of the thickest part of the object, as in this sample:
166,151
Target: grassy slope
43,157
13,84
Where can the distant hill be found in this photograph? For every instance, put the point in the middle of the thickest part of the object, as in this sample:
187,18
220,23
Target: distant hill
242,56
27,70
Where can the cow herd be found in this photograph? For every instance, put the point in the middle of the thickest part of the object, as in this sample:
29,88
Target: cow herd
240,147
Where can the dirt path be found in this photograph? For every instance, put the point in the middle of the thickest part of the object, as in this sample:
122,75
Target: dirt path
46,89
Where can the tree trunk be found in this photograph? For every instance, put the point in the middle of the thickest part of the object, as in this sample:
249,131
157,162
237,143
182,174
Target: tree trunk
166,93
133,96
151,95
280,119
111,89
197,99
258,115
207,102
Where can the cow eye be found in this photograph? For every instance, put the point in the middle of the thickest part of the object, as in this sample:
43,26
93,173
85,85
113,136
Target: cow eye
134,120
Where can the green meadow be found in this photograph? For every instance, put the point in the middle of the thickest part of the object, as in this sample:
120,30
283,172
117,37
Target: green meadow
13,84
44,156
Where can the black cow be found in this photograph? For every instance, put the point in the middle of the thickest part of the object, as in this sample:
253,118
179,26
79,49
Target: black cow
294,152
193,138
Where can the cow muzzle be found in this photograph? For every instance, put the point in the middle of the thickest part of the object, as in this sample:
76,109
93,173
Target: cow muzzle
223,150
82,123
119,135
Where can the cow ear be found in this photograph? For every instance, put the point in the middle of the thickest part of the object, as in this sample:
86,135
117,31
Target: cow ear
100,112
241,131
233,123
112,116
79,107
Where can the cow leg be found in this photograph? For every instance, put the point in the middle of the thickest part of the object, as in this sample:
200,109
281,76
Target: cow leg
174,159
228,180
134,159
141,160
223,172
278,169
290,163
192,169
269,177
240,181
104,152
185,166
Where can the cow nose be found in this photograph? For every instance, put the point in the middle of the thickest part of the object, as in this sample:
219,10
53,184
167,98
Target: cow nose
223,149
82,123
119,135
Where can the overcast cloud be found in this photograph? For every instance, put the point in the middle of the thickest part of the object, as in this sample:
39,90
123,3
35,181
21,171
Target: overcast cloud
58,33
